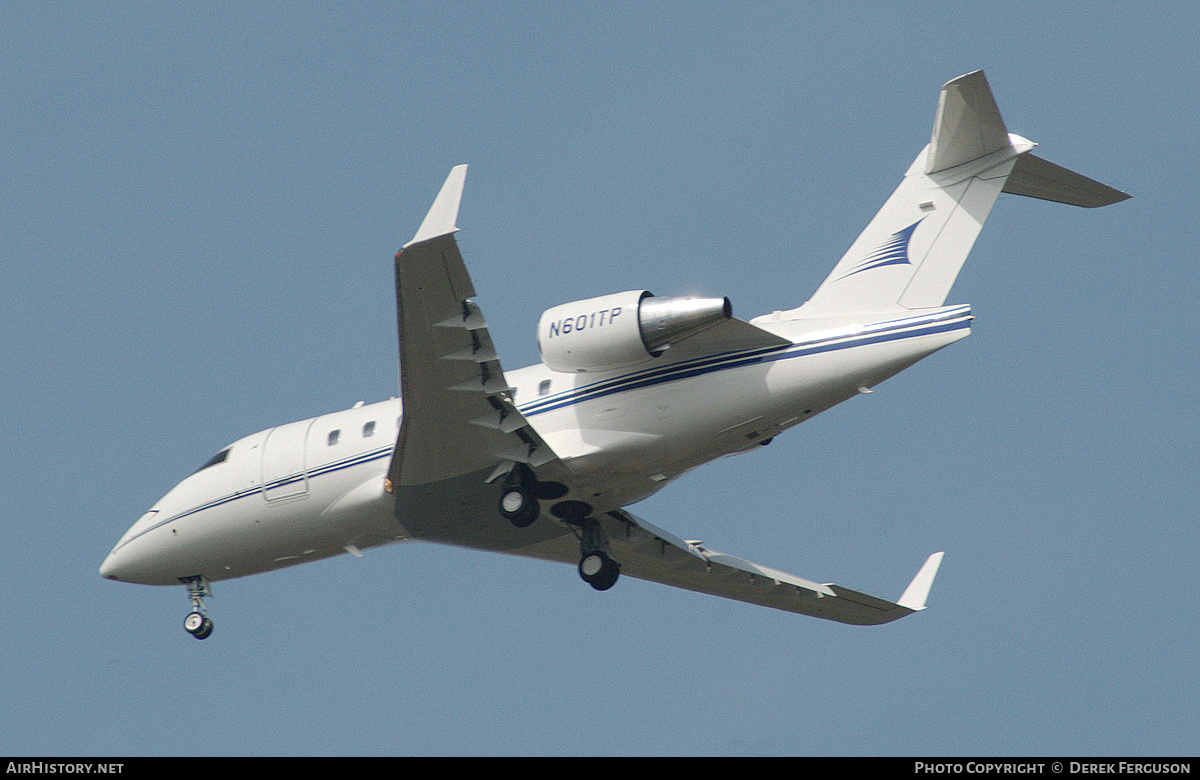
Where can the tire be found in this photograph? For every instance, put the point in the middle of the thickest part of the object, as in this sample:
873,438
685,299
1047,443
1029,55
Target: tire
205,629
599,571
195,622
518,505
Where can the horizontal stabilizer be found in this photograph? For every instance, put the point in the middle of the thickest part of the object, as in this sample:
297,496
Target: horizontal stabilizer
1034,177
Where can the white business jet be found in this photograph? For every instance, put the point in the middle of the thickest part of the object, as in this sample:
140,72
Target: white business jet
634,391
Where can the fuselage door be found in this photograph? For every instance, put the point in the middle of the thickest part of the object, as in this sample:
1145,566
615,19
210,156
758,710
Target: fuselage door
283,467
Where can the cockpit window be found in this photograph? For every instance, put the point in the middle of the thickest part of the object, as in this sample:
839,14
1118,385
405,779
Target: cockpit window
220,457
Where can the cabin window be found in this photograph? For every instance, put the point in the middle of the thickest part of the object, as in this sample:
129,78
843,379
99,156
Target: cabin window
544,387
334,436
369,429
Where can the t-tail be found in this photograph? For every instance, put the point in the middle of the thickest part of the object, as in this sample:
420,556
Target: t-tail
911,252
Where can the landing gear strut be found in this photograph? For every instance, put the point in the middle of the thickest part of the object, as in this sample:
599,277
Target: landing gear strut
198,623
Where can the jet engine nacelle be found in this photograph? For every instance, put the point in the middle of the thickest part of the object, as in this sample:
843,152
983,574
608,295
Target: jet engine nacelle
623,329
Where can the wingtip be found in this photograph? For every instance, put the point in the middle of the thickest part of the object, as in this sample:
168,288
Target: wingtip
917,592
975,75
443,214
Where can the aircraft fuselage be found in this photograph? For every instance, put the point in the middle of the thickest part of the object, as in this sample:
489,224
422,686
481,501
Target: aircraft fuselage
314,488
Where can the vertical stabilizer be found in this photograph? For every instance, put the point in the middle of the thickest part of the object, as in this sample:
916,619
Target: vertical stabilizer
911,252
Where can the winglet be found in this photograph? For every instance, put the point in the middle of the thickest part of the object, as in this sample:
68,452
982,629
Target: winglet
915,594
444,211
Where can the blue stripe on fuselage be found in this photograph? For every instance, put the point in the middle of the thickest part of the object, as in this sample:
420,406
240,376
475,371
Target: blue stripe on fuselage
911,327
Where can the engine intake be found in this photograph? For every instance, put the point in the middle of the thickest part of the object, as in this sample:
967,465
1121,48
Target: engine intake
624,329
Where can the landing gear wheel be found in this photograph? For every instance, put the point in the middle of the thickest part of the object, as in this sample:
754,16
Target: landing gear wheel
599,571
198,625
518,504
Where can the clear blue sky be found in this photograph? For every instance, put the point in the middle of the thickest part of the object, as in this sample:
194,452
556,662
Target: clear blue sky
199,209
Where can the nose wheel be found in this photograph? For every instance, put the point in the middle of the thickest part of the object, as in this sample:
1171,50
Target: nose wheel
198,623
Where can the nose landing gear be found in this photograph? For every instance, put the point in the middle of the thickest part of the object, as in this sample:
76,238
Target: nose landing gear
198,623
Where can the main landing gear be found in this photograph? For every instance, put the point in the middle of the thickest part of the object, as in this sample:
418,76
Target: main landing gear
520,493
519,504
198,623
596,566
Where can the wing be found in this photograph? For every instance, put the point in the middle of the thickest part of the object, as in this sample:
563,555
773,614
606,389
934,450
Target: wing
460,431
650,553
458,414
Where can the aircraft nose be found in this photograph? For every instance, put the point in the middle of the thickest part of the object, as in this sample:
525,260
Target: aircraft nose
114,567
141,561
108,569
138,556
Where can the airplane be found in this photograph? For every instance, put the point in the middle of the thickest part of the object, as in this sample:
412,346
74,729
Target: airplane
634,391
